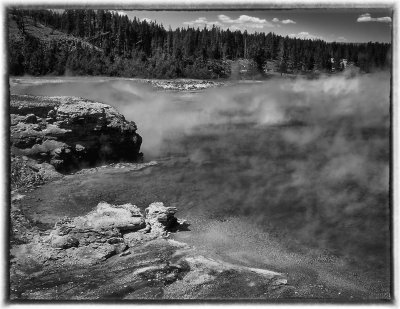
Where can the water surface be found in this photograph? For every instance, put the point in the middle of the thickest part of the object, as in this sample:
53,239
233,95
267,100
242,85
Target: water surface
290,175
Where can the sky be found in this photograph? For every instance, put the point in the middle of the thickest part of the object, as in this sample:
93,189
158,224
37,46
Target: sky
340,25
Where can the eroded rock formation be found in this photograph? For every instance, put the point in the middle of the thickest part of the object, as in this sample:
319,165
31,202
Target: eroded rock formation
105,231
70,132
116,252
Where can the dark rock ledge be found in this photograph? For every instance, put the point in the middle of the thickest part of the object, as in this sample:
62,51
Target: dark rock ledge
70,133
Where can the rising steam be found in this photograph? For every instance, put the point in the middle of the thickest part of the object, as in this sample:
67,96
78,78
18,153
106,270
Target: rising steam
309,157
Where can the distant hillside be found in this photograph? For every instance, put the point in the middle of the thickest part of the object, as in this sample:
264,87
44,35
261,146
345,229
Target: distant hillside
99,42
40,50
46,35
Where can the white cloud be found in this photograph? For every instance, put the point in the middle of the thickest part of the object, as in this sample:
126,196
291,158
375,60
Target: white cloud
246,18
243,22
284,21
288,21
364,18
235,28
246,21
201,20
305,36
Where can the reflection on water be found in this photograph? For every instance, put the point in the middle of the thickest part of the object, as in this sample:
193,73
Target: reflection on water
306,160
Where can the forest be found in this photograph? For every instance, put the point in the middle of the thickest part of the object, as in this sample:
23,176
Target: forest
102,42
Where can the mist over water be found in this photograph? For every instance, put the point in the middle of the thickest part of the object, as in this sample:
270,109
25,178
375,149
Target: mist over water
307,158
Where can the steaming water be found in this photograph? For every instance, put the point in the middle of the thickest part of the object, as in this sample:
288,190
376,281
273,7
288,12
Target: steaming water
276,173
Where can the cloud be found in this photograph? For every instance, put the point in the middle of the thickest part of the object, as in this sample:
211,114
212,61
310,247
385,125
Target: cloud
243,22
284,21
305,36
242,19
364,18
203,22
288,21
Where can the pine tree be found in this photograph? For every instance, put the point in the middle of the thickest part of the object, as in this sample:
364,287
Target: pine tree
140,48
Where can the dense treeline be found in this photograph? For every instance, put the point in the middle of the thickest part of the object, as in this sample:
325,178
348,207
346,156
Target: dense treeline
112,44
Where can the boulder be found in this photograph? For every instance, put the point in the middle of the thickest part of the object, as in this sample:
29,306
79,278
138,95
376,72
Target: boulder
70,132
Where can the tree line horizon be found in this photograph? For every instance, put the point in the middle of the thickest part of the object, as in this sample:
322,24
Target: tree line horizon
112,44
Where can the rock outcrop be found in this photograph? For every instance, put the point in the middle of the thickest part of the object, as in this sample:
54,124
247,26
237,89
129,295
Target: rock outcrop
116,252
70,133
105,231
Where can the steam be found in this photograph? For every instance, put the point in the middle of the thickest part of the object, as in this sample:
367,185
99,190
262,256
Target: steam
166,115
309,157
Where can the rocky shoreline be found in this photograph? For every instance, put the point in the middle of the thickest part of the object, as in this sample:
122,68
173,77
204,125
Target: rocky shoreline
183,84
117,252
70,133
114,251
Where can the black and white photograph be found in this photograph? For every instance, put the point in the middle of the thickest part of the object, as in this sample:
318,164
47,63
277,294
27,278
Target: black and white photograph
182,152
